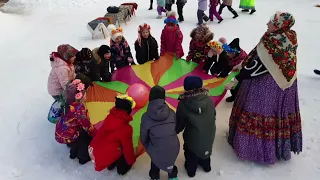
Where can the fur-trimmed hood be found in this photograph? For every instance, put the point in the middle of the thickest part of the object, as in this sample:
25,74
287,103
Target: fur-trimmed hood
195,100
96,57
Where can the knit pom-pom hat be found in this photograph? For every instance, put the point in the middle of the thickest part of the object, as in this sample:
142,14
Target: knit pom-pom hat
115,32
171,18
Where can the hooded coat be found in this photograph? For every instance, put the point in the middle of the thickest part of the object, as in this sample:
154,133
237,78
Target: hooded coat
171,41
113,140
158,135
60,74
196,115
103,67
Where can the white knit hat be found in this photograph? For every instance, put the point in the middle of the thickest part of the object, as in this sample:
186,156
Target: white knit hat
115,32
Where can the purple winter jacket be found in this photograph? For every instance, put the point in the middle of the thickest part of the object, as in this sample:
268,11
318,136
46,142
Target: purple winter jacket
158,134
202,5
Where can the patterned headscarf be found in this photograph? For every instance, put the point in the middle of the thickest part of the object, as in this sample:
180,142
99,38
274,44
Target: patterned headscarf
282,44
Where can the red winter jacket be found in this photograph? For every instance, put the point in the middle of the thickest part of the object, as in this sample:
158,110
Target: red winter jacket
171,41
113,139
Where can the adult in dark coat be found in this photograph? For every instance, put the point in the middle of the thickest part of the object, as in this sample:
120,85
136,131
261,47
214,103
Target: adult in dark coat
196,115
158,135
146,45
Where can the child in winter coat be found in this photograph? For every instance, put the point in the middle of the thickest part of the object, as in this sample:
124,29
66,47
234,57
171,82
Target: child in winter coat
213,10
236,56
74,127
218,61
180,5
146,45
62,69
87,64
196,115
120,49
198,48
202,7
171,37
158,135
161,8
112,146
102,57
82,62
228,4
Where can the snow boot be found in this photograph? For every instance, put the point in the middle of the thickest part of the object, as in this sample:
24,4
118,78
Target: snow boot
220,21
205,164
205,18
83,161
316,71
230,99
245,10
252,11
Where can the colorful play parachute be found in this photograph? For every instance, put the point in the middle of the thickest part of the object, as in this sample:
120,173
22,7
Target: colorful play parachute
166,72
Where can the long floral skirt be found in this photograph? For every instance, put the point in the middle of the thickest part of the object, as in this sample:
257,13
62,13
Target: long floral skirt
265,123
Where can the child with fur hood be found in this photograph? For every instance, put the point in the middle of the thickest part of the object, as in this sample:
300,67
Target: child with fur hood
171,37
120,49
102,56
196,115
146,45
198,48
218,61
74,127
112,146
62,69
158,135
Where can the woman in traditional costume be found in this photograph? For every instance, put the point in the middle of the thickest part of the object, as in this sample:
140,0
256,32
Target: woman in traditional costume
247,5
265,123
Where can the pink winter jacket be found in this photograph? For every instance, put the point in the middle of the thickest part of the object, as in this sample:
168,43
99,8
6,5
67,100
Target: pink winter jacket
171,41
60,74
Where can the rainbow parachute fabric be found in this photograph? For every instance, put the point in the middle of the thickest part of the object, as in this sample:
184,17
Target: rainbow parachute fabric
167,72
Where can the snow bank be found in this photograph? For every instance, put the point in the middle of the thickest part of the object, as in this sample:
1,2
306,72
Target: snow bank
29,5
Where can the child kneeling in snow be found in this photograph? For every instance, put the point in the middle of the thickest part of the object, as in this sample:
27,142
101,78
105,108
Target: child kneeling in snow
218,61
112,146
171,37
74,127
198,48
196,115
158,135
146,45
62,69
120,49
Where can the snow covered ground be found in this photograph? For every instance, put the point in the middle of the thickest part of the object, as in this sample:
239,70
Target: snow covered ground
31,29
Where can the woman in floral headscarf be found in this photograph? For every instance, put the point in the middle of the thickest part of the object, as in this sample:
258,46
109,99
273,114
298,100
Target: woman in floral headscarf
265,123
